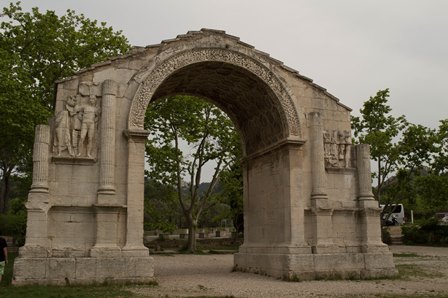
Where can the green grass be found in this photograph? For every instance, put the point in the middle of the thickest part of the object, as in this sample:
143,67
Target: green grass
432,295
406,271
65,292
406,255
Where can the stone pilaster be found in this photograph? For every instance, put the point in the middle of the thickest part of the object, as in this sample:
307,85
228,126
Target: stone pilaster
37,206
41,159
134,218
107,152
319,198
107,209
370,211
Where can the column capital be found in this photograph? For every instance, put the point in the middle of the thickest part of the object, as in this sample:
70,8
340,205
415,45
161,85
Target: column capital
110,87
137,135
315,118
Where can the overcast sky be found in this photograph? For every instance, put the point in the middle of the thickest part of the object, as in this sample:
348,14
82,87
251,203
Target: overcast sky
353,48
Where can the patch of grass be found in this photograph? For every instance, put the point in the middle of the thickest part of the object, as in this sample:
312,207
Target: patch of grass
406,255
411,270
65,292
212,296
291,278
419,295
202,288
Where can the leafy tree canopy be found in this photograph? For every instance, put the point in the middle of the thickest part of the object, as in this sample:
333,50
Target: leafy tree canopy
181,121
36,49
379,128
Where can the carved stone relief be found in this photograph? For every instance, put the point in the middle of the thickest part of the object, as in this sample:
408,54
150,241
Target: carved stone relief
76,126
337,148
176,62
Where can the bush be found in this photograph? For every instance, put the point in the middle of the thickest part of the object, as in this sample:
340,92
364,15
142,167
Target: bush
427,232
13,223
385,236
412,234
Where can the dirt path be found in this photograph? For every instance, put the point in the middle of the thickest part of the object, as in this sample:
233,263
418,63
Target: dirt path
424,272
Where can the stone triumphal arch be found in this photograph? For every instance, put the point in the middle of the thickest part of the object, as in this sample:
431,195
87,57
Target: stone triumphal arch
308,206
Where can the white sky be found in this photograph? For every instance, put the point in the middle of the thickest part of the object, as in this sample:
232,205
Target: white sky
353,48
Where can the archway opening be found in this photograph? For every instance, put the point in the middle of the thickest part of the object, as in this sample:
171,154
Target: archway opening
192,147
256,113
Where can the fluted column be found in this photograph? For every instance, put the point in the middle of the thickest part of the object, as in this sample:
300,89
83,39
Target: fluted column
36,242
107,153
364,173
107,209
40,159
317,157
322,211
370,211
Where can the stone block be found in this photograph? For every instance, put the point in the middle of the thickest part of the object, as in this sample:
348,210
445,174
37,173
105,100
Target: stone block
61,269
31,268
85,269
338,262
379,260
111,268
142,267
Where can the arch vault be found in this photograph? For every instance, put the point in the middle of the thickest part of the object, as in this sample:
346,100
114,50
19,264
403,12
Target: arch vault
308,205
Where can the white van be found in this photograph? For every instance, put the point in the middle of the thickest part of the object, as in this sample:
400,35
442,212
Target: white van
396,211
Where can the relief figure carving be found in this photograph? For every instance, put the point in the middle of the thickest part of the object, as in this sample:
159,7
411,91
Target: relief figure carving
337,146
90,114
62,129
348,146
75,125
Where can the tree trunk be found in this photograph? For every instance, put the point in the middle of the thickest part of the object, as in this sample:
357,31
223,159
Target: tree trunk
4,192
378,186
191,247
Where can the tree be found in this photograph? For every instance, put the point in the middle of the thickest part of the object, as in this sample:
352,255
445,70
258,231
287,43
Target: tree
432,190
36,49
161,207
440,163
418,147
210,135
232,183
379,129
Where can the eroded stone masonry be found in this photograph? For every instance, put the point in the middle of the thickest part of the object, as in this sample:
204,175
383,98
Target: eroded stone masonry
308,204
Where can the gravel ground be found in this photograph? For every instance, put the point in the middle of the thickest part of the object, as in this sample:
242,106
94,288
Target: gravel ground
424,272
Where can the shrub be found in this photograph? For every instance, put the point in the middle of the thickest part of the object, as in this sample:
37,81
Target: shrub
428,232
385,236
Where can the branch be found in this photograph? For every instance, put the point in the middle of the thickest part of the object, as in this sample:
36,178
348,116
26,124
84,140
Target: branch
212,185
178,172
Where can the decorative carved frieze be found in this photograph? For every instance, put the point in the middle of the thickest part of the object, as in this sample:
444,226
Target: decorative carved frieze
337,148
165,68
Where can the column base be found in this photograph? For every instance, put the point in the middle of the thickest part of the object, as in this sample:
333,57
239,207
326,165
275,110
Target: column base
88,270
135,251
105,252
317,266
